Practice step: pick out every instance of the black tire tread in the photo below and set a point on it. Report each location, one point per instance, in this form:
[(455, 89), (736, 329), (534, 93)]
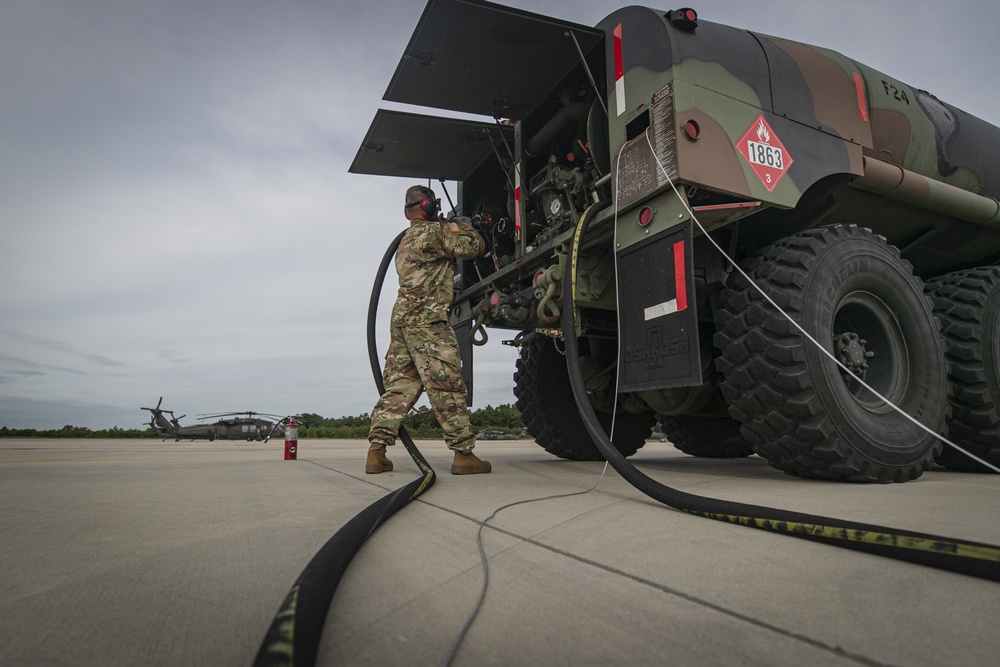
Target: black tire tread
[(960, 299), (764, 366), (706, 437), (548, 411)]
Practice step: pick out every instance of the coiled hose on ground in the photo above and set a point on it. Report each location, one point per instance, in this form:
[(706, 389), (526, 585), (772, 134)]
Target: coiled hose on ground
[(294, 635)]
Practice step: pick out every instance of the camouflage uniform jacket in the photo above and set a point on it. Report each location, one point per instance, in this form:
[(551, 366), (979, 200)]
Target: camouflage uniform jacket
[(426, 268)]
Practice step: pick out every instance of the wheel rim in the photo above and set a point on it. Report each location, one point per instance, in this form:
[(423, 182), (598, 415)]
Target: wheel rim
[(868, 339)]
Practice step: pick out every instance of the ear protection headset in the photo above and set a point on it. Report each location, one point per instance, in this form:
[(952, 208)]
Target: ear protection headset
[(429, 205)]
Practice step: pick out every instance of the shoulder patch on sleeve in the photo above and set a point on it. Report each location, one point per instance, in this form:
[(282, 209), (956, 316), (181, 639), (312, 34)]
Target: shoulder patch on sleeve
[(453, 226)]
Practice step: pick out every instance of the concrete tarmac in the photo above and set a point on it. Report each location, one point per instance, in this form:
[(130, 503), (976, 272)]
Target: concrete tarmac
[(142, 552)]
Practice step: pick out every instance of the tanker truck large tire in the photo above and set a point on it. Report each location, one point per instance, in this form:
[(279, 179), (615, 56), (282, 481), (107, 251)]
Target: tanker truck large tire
[(968, 305), (548, 411), (853, 293), (706, 437)]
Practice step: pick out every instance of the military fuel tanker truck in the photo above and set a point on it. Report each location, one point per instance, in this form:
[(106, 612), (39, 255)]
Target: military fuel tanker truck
[(864, 208)]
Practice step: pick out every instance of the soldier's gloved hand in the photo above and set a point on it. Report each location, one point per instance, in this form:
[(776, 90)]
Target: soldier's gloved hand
[(482, 222)]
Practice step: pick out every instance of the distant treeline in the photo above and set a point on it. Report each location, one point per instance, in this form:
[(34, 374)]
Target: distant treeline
[(69, 431), (507, 418)]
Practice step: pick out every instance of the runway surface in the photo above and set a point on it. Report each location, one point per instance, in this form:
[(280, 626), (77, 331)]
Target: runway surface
[(142, 552)]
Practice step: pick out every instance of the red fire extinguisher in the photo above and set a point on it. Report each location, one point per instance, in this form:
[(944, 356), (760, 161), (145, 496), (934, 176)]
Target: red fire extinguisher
[(291, 440)]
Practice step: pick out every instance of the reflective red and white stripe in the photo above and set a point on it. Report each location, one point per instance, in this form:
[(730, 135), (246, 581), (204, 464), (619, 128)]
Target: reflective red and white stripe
[(517, 200), (679, 302), (619, 70)]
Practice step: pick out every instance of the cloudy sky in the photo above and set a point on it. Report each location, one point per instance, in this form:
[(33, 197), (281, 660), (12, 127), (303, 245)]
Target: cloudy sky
[(176, 214)]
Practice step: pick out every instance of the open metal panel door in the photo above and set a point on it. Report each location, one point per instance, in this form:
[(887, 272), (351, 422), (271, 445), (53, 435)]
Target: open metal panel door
[(411, 145), (481, 58)]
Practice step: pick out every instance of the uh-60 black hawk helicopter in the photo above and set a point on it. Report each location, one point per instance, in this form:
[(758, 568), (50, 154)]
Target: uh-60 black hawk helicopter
[(246, 425)]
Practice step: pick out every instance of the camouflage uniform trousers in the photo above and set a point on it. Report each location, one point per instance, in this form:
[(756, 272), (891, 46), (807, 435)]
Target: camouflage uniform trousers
[(423, 357)]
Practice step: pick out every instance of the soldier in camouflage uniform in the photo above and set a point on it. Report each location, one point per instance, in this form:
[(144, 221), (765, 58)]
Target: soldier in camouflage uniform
[(423, 350)]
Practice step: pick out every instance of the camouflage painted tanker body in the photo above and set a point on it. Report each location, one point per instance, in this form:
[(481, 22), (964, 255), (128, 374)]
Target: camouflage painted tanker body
[(788, 155), (840, 121)]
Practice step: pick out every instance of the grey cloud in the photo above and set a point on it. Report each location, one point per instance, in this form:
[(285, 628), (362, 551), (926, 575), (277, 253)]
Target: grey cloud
[(172, 356), (8, 376), (63, 347), (29, 368)]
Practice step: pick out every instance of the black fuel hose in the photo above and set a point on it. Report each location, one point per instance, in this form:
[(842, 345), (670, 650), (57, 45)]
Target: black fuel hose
[(970, 558), (294, 636)]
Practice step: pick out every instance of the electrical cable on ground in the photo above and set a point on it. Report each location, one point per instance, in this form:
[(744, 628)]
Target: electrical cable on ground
[(486, 568)]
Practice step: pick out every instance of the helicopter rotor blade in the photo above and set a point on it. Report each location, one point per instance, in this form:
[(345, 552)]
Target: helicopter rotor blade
[(235, 413), (248, 413), (157, 408), (267, 414), (216, 415)]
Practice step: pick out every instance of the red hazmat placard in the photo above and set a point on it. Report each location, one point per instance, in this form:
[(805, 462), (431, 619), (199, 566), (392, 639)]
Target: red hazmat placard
[(764, 152)]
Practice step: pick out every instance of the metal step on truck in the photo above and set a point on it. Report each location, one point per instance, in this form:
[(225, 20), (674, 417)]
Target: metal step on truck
[(713, 166)]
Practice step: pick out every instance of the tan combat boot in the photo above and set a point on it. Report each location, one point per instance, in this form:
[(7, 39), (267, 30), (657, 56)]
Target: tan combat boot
[(469, 464), (377, 462)]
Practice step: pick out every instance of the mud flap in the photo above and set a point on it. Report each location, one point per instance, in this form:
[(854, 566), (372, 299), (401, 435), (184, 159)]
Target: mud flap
[(463, 332), (659, 324)]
